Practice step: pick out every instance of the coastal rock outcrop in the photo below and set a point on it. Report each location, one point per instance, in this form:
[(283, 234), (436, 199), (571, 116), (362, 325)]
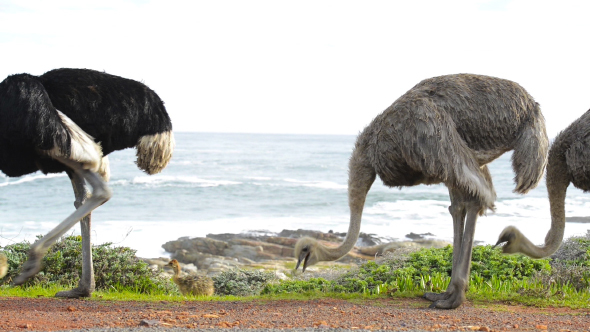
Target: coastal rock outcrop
[(216, 253)]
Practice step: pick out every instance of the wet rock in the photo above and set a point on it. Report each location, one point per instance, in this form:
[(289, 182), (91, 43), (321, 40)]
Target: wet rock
[(415, 236)]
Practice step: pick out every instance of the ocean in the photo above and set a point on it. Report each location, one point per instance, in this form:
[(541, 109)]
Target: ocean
[(232, 183)]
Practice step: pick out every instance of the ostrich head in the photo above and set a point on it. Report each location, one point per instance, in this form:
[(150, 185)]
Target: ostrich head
[(517, 242), (307, 250), (512, 238), (174, 265)]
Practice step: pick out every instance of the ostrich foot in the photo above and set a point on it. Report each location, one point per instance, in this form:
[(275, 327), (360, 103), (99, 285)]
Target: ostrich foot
[(453, 301), (75, 293), (433, 297), (30, 268)]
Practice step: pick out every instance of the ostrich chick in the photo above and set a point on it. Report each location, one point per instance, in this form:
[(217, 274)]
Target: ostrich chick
[(192, 284), (3, 266)]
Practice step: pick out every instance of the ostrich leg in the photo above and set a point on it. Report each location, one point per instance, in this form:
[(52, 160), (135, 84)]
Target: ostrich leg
[(461, 266), (100, 194), (457, 210), (86, 284)]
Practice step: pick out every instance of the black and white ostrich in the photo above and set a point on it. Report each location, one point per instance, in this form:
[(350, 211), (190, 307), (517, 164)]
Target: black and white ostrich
[(69, 120)]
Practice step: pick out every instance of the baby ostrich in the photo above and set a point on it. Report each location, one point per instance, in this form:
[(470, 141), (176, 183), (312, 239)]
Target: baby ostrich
[(192, 284), (445, 130), (3, 266)]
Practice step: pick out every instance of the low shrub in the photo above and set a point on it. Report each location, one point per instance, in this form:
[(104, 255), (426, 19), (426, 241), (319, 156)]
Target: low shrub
[(239, 282), (114, 267)]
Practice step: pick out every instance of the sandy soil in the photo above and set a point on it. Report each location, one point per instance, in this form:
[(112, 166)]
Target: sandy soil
[(49, 314)]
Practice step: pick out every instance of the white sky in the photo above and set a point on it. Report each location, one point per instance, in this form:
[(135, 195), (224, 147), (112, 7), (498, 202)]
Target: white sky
[(321, 67)]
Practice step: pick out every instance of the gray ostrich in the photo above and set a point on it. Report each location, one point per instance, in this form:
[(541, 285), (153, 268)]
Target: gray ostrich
[(444, 130), (69, 120), (567, 163)]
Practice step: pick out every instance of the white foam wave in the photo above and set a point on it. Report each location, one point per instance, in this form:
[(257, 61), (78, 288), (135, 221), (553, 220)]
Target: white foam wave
[(259, 178), (31, 178), (186, 162), (410, 209), (119, 183), (164, 180), (317, 184)]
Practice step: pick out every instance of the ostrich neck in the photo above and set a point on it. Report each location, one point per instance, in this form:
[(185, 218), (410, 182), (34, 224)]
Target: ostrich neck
[(176, 271), (352, 235), (359, 183), (557, 183)]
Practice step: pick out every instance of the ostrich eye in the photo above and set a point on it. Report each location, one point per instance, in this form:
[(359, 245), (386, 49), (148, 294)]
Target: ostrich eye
[(306, 248)]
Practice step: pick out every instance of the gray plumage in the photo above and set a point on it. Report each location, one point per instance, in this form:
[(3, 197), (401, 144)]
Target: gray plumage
[(569, 162), (445, 130), (448, 126)]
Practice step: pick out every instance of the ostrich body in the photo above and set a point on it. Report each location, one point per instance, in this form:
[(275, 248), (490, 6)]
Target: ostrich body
[(445, 130), (69, 120), (568, 163), (192, 284)]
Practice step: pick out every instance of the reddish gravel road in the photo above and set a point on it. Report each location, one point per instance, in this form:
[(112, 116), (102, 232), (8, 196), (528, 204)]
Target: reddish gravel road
[(48, 314)]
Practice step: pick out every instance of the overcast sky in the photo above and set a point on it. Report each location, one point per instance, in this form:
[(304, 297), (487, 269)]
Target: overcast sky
[(320, 67)]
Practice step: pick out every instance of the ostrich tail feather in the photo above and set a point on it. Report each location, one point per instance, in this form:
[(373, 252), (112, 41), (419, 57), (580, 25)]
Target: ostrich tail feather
[(155, 151)]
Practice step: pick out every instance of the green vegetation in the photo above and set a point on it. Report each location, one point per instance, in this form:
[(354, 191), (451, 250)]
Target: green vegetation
[(242, 282), (115, 268), (562, 280)]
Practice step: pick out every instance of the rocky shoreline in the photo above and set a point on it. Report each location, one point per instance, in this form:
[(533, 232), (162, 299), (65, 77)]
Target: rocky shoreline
[(216, 253)]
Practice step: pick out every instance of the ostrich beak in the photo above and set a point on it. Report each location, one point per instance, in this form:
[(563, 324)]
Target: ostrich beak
[(302, 257), (504, 238)]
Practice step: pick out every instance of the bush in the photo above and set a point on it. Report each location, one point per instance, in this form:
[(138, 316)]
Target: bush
[(573, 251), (239, 282), (114, 267), (570, 264), (486, 262)]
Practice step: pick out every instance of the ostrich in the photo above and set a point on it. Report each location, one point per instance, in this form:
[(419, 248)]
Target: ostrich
[(192, 284), (3, 265), (568, 163), (444, 130), (69, 120)]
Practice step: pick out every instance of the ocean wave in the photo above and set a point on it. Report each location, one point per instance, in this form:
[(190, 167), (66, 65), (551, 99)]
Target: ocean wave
[(31, 178), (317, 184), (159, 181), (410, 209), (186, 162), (258, 178)]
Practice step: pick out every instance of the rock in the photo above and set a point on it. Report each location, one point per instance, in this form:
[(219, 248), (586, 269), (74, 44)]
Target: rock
[(415, 236), (584, 220), (284, 241), (189, 268), (216, 253), (149, 322)]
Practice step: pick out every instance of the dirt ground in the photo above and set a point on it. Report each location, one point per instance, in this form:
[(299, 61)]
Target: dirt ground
[(50, 314)]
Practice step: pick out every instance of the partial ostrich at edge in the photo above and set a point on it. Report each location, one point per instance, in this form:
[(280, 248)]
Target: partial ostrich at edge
[(444, 130), (568, 163), (69, 120)]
